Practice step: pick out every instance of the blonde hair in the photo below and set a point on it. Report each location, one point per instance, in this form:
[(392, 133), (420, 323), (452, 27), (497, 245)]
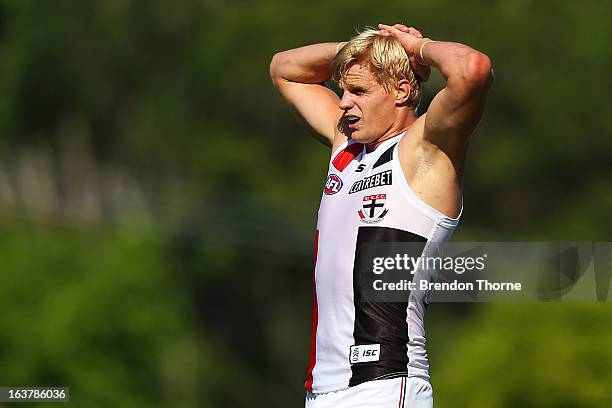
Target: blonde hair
[(386, 58)]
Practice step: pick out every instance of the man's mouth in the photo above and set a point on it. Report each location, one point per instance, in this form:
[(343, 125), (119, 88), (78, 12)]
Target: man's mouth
[(352, 121)]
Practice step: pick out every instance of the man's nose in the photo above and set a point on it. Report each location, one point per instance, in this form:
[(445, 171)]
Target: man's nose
[(346, 102)]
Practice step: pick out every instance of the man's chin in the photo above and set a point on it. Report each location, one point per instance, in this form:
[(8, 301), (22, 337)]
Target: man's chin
[(355, 134), (360, 137)]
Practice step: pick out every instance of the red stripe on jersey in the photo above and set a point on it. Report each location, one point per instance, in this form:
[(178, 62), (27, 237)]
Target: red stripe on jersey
[(315, 314), (345, 157), (401, 392)]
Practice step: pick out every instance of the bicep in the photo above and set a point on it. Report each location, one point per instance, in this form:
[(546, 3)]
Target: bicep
[(452, 120), (316, 105), (456, 110)]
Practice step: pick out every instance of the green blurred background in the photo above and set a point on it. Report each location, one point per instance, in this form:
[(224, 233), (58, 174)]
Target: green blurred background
[(158, 200)]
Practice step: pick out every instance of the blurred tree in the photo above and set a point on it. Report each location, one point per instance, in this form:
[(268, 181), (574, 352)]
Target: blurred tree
[(157, 199)]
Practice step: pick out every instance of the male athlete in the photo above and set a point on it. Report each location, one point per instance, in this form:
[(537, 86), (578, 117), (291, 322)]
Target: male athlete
[(393, 177)]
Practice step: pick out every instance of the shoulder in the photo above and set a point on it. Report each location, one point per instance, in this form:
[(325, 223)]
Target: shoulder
[(415, 147), (423, 159), (414, 136)]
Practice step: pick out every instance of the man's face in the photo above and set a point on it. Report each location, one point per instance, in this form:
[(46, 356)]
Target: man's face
[(369, 111)]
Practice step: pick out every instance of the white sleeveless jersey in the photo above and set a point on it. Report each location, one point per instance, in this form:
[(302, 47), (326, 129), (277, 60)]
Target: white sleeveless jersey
[(366, 199)]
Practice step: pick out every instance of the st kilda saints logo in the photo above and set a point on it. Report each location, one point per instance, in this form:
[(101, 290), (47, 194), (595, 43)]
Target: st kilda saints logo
[(333, 184), (373, 208)]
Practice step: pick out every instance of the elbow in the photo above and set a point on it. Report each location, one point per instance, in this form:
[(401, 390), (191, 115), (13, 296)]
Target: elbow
[(276, 65), (478, 72)]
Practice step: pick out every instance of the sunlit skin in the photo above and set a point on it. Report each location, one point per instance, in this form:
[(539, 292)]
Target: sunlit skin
[(434, 150), (381, 114)]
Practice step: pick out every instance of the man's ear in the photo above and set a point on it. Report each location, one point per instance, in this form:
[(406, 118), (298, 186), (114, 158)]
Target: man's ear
[(402, 92)]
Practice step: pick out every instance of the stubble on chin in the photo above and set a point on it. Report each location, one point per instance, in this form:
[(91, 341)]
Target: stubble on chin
[(343, 127)]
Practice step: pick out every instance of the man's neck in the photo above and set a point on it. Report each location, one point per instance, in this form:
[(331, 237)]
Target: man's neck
[(397, 128)]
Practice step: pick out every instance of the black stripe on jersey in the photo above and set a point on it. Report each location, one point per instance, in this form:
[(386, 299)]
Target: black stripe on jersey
[(385, 157), (381, 323)]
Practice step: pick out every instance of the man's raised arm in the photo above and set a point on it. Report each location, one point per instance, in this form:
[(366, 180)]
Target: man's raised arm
[(456, 110), (298, 75)]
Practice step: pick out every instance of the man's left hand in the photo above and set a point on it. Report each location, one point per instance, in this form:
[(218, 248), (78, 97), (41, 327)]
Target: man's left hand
[(408, 37)]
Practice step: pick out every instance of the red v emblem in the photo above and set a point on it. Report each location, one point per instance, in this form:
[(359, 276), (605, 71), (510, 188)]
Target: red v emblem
[(346, 156)]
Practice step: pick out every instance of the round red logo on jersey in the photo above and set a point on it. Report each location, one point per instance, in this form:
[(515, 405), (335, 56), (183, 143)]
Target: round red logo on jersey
[(332, 185)]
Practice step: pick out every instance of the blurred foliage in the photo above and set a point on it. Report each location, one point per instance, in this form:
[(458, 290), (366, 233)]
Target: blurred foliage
[(523, 355), (157, 199)]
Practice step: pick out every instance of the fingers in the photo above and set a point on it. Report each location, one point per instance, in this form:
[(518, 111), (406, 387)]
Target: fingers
[(398, 28), (415, 32), (422, 72), (401, 27), (388, 28), (411, 30)]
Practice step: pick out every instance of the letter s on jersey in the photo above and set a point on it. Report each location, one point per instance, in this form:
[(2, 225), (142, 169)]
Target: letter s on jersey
[(333, 184)]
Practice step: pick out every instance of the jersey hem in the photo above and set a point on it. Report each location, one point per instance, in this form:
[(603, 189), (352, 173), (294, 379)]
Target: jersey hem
[(389, 376)]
